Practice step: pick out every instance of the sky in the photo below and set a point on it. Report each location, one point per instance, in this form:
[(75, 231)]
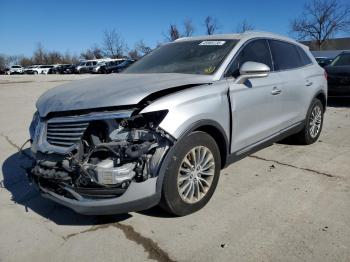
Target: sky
[(75, 25)]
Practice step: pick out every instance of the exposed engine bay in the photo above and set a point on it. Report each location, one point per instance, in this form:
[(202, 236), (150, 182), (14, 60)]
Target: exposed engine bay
[(106, 156)]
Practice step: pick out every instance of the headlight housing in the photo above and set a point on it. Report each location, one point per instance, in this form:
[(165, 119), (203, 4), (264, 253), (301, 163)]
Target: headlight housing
[(155, 117)]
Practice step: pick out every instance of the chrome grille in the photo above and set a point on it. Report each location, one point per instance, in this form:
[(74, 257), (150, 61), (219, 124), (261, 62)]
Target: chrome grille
[(65, 134)]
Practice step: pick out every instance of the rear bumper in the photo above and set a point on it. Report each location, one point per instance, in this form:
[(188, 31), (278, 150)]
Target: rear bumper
[(138, 196)]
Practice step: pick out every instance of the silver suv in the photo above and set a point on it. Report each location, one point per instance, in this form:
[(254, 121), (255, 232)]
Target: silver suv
[(160, 132)]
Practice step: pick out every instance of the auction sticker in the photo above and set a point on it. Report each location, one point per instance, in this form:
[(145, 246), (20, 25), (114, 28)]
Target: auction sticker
[(212, 43)]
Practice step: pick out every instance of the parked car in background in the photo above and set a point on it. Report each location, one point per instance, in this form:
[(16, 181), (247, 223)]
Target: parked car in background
[(324, 61), (39, 69), (28, 70), (119, 68), (32, 70), (44, 69), (63, 69), (99, 68), (15, 69), (338, 75), (161, 131), (111, 66), (85, 66), (4, 71)]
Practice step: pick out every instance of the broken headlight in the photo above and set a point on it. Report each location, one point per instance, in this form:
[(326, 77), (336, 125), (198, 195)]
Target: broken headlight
[(34, 124)]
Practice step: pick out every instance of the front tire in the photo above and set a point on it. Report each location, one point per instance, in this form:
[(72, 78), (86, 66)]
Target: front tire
[(313, 124), (192, 175)]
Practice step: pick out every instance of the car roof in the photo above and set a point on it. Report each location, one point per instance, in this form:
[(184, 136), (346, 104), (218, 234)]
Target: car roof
[(242, 36)]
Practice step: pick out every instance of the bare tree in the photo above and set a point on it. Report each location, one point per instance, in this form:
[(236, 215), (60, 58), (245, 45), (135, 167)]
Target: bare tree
[(67, 58), (142, 48), (25, 61), (188, 28), (244, 26), (321, 20), (39, 55), (113, 45), (173, 33), (13, 60), (139, 50), (134, 54), (53, 57), (3, 60), (211, 25), (97, 52), (87, 55)]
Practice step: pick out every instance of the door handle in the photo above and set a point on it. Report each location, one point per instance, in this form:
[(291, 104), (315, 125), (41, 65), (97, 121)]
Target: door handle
[(309, 83), (276, 91)]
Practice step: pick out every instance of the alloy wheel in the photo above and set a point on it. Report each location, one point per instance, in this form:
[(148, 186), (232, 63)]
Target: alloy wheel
[(315, 121), (196, 174)]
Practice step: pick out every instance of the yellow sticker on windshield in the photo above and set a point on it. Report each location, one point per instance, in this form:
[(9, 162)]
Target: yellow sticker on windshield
[(209, 70)]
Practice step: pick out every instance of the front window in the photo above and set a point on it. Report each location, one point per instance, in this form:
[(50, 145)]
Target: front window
[(189, 57), (342, 60), (255, 51)]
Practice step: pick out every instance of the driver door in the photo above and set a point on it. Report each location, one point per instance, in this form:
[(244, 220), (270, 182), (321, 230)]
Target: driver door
[(255, 104)]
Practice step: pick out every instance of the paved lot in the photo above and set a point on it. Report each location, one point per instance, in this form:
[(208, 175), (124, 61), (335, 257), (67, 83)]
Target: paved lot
[(285, 203)]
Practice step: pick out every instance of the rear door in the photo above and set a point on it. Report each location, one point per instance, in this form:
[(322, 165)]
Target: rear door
[(292, 68), (255, 104)]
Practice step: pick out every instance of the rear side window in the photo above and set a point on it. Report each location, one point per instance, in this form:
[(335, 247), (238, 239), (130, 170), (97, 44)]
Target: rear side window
[(255, 51), (285, 55), (306, 60)]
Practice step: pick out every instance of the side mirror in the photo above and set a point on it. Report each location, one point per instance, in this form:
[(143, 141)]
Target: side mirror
[(252, 70)]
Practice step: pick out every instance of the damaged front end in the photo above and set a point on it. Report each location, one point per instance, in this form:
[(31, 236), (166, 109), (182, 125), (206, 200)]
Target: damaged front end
[(99, 163)]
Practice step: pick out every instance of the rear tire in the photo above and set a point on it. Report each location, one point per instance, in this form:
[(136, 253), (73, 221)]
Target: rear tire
[(313, 125), (192, 175)]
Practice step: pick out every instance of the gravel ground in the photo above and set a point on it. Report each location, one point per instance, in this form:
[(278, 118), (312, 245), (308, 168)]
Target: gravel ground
[(284, 203)]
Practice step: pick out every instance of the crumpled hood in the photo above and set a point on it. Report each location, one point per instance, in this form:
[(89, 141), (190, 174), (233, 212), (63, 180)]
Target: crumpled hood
[(111, 90)]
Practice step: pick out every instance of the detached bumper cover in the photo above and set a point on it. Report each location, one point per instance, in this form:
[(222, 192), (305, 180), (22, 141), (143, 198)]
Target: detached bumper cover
[(138, 196)]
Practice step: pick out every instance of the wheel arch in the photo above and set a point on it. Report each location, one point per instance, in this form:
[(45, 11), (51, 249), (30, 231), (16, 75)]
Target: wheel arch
[(211, 127), (216, 131), (220, 139), (323, 98)]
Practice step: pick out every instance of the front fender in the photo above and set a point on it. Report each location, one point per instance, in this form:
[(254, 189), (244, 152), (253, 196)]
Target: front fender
[(186, 107)]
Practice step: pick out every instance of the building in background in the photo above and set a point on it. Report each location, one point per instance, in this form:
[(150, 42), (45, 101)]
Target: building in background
[(330, 48)]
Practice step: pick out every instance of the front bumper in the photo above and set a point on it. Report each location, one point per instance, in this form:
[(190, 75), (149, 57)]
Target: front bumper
[(138, 196)]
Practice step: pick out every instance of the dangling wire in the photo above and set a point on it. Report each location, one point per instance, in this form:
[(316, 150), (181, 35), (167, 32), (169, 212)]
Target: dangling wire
[(21, 151)]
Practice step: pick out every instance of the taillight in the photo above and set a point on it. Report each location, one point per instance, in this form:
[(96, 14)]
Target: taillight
[(325, 74)]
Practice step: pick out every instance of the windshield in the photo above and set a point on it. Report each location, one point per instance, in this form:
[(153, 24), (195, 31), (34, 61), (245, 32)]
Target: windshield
[(342, 60), (188, 57)]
